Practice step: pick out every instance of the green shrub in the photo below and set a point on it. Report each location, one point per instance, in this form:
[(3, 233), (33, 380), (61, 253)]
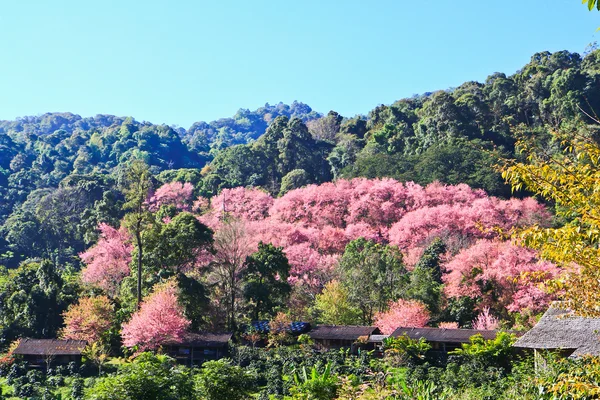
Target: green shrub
[(219, 380)]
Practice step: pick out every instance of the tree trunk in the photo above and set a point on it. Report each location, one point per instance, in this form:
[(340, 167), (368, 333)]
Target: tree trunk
[(232, 294), (138, 238)]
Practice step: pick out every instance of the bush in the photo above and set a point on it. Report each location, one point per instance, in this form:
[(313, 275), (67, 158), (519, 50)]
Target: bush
[(77, 389), (148, 377), (316, 385), (16, 370), (219, 380)]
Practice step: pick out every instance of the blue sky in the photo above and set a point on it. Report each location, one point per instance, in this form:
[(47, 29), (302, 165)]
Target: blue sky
[(177, 62)]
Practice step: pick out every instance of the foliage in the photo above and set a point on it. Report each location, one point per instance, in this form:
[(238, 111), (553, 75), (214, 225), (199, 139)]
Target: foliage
[(89, 319), (373, 275), (160, 318), (316, 385), (147, 377), (402, 313), (33, 300), (570, 179), (334, 307), (495, 351), (266, 276), (591, 4), (403, 349), (219, 380)]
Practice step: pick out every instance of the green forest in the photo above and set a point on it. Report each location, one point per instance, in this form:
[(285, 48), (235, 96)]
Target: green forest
[(59, 172)]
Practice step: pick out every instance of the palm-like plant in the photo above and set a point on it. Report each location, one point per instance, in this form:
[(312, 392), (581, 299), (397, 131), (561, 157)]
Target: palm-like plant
[(315, 385)]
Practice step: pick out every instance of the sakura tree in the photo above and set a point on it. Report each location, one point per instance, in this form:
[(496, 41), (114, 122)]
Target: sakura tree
[(175, 194), (159, 319), (502, 273), (242, 203), (486, 321), (402, 313), (107, 263), (88, 319)]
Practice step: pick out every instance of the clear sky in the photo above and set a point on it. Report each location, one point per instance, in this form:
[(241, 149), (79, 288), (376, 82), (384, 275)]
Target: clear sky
[(178, 61)]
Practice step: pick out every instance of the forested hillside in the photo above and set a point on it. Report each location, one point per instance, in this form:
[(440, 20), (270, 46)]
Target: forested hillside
[(131, 236), (59, 173)]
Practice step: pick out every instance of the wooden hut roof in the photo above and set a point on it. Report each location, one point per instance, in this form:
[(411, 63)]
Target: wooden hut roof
[(560, 329), (50, 347), (442, 334), (202, 339), (341, 332)]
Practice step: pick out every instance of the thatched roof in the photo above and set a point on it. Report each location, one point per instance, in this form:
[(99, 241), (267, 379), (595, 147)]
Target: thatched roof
[(342, 332), (50, 347), (202, 339), (559, 329), (442, 334)]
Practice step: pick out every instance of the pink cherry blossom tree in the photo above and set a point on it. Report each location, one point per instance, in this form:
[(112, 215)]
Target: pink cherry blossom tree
[(402, 313), (486, 321), (512, 275), (175, 194), (107, 263), (159, 319)]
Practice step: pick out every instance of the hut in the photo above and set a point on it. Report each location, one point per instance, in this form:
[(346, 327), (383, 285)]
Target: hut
[(443, 340), (339, 336), (195, 348), (46, 352), (376, 343), (560, 331)]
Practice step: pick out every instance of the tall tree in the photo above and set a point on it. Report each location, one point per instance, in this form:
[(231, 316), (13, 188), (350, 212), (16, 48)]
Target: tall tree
[(570, 179), (137, 184), (266, 280), (373, 274), (425, 283), (232, 245)]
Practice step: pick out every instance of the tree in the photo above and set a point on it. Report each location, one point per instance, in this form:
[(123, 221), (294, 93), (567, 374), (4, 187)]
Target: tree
[(97, 353), (402, 313), (232, 245), (176, 243), (502, 275), (107, 262), (137, 185), (334, 307), (89, 319), (33, 299), (294, 179), (373, 274), (571, 180), (160, 318), (175, 193), (425, 280), (266, 280), (485, 320)]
